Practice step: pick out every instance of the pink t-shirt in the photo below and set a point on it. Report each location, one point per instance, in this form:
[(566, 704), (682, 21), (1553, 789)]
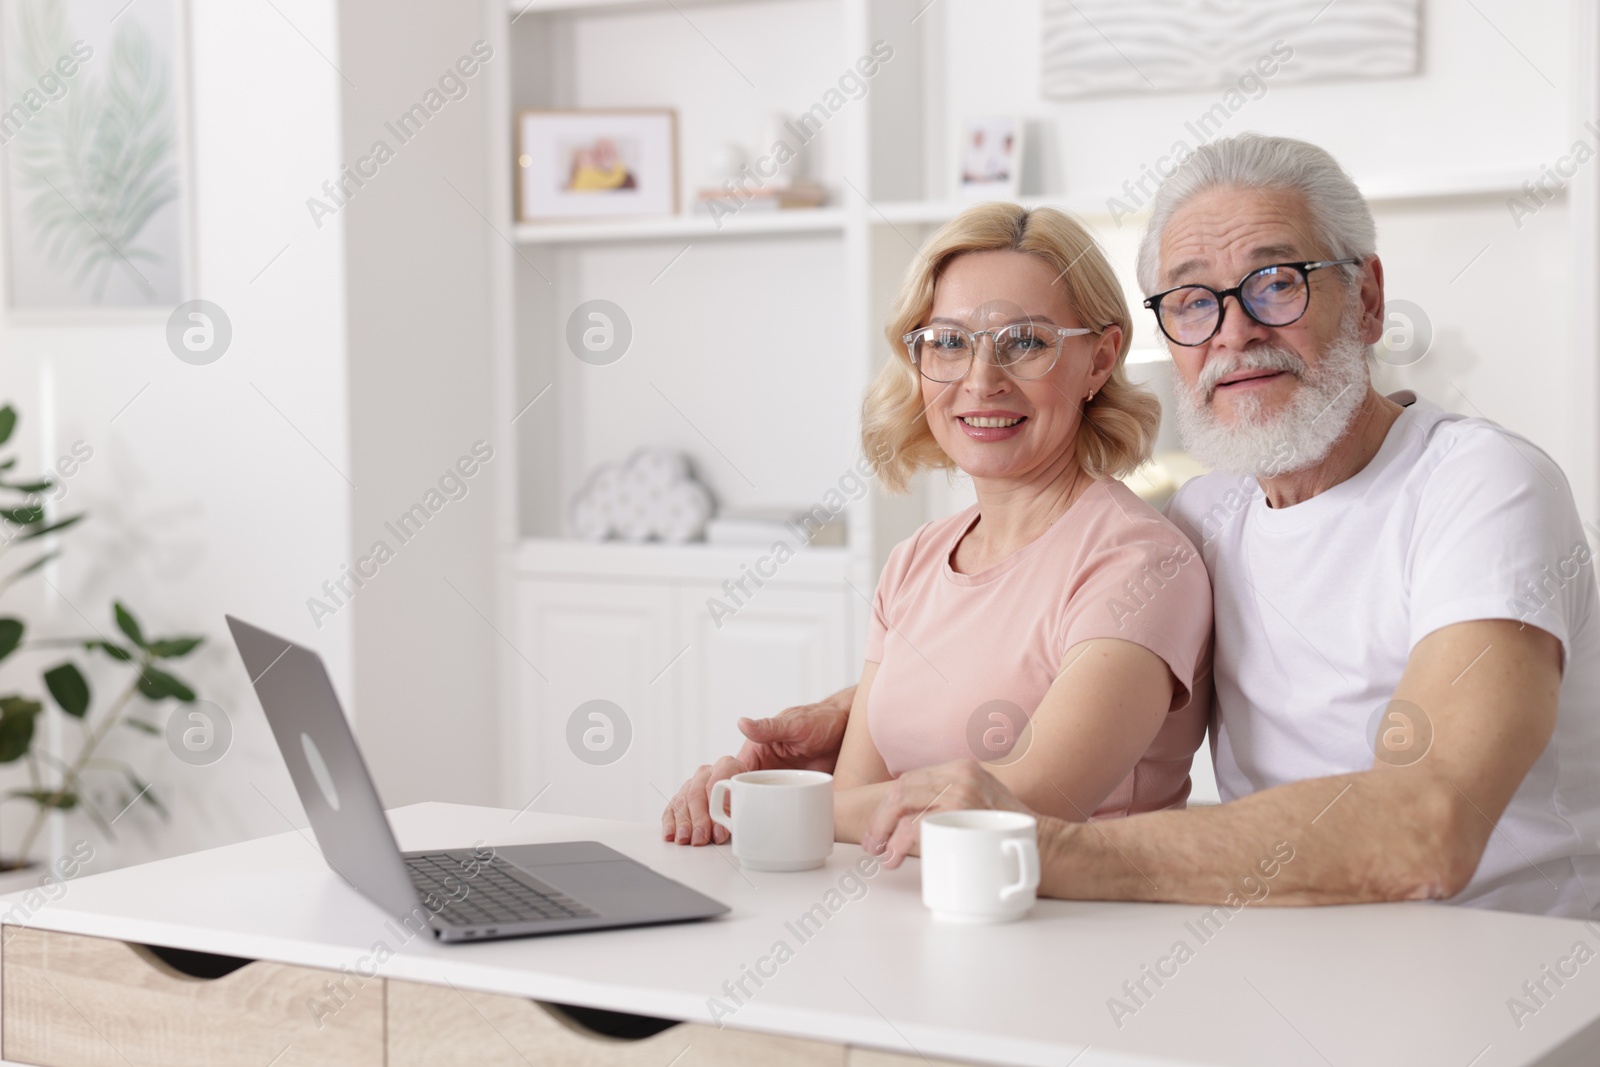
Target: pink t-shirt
[(954, 649)]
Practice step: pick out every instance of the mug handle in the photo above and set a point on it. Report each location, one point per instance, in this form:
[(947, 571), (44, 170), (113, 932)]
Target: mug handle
[(719, 791), (1027, 853)]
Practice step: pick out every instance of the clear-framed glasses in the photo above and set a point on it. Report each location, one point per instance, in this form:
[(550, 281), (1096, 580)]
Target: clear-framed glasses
[(1023, 350), (1278, 295)]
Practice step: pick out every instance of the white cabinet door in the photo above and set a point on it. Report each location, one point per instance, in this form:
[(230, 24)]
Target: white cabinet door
[(785, 646), (599, 730)]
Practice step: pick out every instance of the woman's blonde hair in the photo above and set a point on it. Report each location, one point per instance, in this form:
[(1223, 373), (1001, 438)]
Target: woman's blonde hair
[(1118, 426)]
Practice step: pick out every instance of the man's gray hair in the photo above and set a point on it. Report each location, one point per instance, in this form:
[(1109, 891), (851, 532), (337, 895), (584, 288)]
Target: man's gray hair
[(1341, 222)]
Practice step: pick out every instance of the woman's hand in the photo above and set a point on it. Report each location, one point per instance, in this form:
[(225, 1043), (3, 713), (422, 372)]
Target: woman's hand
[(959, 786), (805, 737)]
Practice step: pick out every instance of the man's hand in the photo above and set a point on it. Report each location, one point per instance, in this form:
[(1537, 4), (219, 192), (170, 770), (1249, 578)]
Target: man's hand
[(959, 786), (804, 737)]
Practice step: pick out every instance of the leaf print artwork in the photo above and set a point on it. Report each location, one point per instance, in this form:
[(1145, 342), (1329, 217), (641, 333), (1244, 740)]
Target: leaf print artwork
[(93, 155)]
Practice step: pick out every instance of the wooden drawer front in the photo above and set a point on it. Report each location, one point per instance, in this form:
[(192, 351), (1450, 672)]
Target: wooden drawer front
[(438, 1026), (73, 1001)]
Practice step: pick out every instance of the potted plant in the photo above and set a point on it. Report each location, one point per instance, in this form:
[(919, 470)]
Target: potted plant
[(82, 780)]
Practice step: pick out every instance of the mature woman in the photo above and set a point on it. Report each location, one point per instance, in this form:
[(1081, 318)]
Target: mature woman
[(1060, 628)]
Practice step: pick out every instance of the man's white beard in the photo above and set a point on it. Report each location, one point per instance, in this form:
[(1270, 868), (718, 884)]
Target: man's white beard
[(1300, 435)]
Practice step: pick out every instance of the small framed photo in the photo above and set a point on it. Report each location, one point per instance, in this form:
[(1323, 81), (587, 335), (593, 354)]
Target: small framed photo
[(595, 164), (989, 158)]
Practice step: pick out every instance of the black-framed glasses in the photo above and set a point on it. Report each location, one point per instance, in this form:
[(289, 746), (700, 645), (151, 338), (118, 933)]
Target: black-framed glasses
[(1024, 350), (1276, 295)]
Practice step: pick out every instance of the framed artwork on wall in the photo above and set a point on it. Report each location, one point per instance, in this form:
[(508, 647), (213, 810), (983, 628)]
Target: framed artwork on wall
[(93, 155), (1102, 47)]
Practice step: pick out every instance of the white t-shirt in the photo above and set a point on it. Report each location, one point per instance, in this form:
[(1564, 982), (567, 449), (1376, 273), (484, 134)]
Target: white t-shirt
[(1319, 605)]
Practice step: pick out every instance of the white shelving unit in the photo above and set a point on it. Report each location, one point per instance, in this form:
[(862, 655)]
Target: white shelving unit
[(519, 8), (1380, 191), (724, 364), (562, 557), (681, 227)]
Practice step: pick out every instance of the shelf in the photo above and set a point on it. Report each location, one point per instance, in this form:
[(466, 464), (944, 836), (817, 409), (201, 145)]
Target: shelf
[(678, 227), (940, 211), (563, 557), (518, 8), (1379, 189)]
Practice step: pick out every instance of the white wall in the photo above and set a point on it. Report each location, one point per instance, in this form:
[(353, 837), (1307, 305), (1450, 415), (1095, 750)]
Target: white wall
[(1477, 105), (202, 498), (420, 396)]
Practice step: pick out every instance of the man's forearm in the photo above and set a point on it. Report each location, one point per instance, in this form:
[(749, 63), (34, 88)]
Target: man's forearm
[(1372, 836)]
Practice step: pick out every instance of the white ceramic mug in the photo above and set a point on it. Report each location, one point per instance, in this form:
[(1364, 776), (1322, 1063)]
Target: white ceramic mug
[(781, 820), (979, 866)]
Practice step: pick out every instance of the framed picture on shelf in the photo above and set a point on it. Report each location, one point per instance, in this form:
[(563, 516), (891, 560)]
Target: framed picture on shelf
[(989, 158), (594, 164)]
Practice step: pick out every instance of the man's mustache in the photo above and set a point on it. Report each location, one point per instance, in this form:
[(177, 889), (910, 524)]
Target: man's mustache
[(1265, 358)]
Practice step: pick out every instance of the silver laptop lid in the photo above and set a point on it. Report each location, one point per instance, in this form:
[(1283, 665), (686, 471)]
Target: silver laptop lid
[(329, 774)]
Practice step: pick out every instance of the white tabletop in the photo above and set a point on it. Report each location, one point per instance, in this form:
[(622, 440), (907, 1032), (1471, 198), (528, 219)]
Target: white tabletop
[(1363, 986)]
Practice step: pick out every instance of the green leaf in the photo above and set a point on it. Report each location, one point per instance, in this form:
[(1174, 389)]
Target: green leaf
[(10, 636), (40, 531), (16, 728), (173, 647), (159, 685), (116, 652), (22, 572), (8, 422), (128, 624), (15, 705), (70, 689), (48, 798), (28, 487), (22, 516), (143, 727)]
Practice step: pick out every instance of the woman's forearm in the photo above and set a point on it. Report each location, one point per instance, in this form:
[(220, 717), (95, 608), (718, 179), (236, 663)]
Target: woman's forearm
[(853, 808), (840, 701)]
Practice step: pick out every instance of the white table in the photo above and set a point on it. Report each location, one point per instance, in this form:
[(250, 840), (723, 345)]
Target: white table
[(1362, 986)]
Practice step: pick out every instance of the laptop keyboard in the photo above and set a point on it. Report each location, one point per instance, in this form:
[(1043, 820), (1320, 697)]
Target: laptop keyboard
[(490, 896)]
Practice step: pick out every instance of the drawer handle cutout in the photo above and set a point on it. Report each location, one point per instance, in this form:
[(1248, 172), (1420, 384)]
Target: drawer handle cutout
[(613, 1025), (187, 963)]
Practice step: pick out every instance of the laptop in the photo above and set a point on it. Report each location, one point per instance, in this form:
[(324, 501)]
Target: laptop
[(462, 894)]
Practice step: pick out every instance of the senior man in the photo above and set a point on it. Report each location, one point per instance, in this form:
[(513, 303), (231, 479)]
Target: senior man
[(1407, 647)]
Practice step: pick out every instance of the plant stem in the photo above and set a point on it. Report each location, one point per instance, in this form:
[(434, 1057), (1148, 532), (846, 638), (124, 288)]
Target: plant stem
[(69, 782)]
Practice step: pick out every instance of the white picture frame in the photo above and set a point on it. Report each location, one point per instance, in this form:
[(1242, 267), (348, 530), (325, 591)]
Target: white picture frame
[(988, 163), (593, 164)]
